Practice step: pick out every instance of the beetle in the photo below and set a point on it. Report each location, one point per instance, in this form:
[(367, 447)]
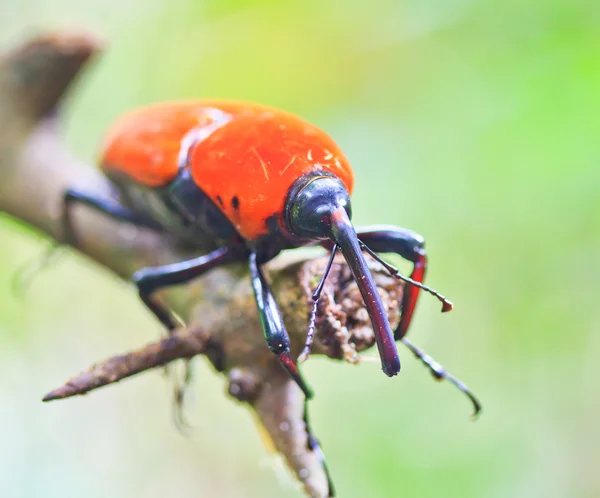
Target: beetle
[(239, 182)]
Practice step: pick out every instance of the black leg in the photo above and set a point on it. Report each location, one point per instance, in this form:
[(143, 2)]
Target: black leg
[(440, 373), (278, 341), (106, 205), (274, 330), (314, 446), (148, 280), (409, 245)]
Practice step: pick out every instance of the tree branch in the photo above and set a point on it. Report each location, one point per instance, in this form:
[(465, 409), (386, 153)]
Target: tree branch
[(219, 308), (177, 346)]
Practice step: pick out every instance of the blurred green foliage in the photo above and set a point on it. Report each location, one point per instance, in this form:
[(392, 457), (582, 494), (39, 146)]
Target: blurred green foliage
[(473, 122)]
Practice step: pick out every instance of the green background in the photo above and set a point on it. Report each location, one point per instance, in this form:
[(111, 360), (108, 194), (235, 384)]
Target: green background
[(475, 123)]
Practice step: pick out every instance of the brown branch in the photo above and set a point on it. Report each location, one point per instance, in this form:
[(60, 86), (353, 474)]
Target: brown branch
[(334, 339), (34, 79), (176, 346), (219, 308)]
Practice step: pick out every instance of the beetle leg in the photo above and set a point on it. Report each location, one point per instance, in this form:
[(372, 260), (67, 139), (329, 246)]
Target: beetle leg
[(440, 373), (409, 245), (314, 446), (274, 330), (148, 280), (106, 205), (278, 341)]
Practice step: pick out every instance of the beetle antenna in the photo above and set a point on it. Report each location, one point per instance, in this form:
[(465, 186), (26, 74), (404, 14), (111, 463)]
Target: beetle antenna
[(439, 373), (446, 303), (315, 297)]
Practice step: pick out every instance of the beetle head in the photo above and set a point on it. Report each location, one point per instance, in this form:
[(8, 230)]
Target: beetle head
[(318, 208), (312, 203)]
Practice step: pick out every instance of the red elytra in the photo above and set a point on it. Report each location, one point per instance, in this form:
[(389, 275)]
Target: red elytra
[(246, 151)]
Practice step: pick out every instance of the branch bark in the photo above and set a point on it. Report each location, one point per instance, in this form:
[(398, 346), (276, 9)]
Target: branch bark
[(219, 309)]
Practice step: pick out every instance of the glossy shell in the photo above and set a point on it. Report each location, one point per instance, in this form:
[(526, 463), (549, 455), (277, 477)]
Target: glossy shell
[(244, 156)]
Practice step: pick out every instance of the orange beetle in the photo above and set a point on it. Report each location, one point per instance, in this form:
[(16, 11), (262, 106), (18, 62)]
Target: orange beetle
[(242, 182)]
